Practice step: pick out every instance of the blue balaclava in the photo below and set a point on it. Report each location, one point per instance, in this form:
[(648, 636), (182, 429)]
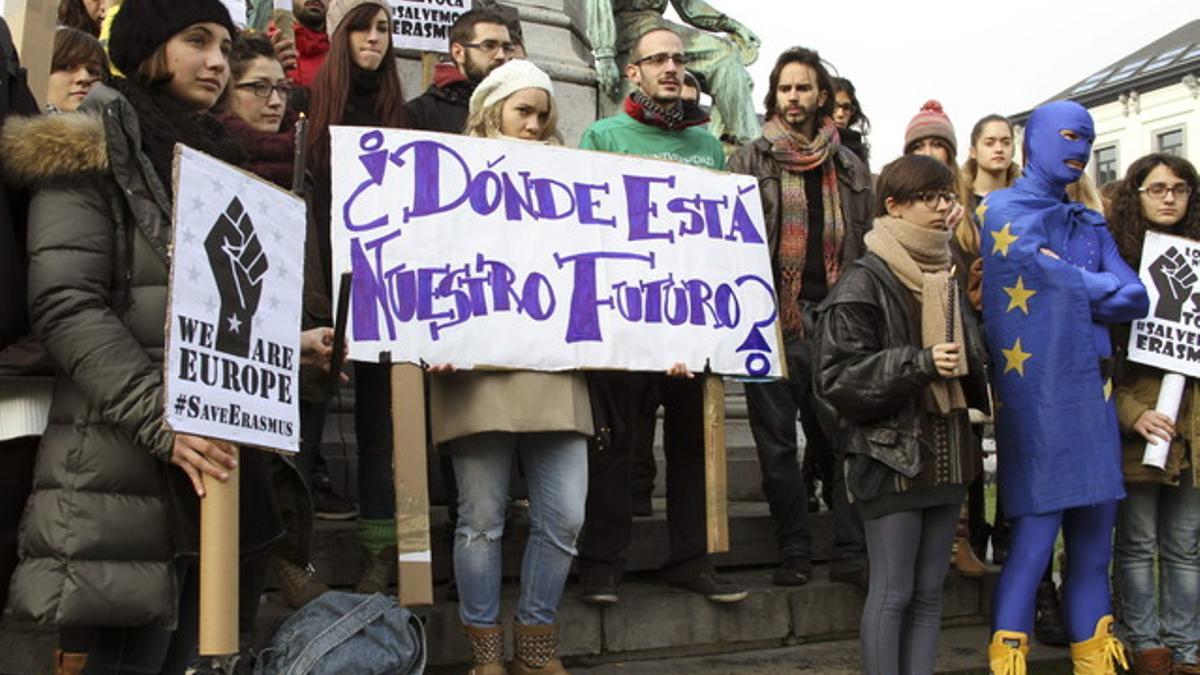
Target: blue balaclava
[(1047, 152)]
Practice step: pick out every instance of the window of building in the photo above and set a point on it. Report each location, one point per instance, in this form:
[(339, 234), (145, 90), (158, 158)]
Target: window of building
[(1105, 161), (1128, 70), (1170, 142), (1162, 60)]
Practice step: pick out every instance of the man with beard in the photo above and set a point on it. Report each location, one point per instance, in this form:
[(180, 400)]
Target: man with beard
[(817, 207), (655, 123), (302, 56), (479, 43)]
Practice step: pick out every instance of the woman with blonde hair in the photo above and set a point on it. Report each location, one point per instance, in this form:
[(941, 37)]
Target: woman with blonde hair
[(485, 419)]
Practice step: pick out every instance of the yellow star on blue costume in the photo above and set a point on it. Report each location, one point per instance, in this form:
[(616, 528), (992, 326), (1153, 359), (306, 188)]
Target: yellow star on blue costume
[(1018, 296), (1003, 239), (1015, 358)]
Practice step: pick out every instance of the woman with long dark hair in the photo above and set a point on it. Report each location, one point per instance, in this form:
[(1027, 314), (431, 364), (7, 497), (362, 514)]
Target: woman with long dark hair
[(358, 85), (110, 534), (1160, 515)]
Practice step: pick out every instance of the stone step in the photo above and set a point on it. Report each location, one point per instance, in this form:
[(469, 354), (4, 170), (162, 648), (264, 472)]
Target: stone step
[(962, 650), (336, 555), (650, 621)]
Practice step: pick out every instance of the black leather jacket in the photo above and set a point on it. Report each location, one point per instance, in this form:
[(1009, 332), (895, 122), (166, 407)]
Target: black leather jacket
[(871, 371)]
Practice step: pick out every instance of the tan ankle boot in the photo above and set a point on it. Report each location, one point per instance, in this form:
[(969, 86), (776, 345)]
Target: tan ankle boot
[(487, 650), (535, 648), (68, 663), (962, 555)]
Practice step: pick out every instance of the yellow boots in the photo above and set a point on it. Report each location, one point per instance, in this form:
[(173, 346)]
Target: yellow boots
[(1006, 653), (1099, 654)]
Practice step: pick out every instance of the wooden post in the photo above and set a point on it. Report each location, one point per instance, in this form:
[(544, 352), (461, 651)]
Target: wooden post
[(716, 484), (412, 486), (32, 23), (219, 566)]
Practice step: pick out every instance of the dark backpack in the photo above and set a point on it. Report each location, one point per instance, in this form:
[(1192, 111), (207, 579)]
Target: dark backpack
[(346, 633)]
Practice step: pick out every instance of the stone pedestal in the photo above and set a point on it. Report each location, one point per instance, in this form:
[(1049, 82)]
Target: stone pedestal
[(555, 40)]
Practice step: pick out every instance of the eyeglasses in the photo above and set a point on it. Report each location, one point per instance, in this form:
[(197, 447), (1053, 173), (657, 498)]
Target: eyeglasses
[(263, 89), (934, 199), (661, 58), (1160, 190), (490, 46)]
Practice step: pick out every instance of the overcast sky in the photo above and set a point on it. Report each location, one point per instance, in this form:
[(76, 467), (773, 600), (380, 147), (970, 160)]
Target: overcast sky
[(974, 57)]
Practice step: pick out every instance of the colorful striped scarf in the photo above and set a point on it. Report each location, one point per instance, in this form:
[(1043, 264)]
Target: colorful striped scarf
[(797, 155)]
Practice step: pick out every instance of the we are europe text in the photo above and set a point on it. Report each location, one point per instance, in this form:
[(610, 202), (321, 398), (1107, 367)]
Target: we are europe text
[(653, 214)]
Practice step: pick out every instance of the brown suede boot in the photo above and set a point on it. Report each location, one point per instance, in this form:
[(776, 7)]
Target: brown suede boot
[(535, 648), (487, 650), (1154, 661), (68, 663), (962, 556), (299, 585)]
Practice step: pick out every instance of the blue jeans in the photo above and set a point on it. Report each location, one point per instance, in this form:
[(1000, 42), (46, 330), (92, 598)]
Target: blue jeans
[(1163, 520), (555, 466)]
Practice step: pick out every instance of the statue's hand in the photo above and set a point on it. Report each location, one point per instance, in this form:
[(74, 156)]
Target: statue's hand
[(608, 75), (745, 39)]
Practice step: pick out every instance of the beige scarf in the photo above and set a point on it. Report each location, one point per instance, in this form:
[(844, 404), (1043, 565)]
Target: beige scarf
[(920, 259)]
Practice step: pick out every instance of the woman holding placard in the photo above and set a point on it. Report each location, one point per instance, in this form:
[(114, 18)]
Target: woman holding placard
[(358, 85), (485, 419), (110, 535), (1161, 514)]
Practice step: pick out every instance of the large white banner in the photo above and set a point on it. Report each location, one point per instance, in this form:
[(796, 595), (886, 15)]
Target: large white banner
[(1170, 337), (424, 25), (233, 322), (512, 254)]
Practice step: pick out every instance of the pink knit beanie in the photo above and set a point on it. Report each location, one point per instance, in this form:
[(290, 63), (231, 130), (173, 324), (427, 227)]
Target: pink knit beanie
[(931, 121)]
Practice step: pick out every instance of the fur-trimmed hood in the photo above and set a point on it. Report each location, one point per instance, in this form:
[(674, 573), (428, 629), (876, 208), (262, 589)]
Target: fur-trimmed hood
[(46, 147)]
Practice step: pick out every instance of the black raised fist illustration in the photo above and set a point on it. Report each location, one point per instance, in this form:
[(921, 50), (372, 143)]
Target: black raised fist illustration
[(1174, 279), (239, 265)]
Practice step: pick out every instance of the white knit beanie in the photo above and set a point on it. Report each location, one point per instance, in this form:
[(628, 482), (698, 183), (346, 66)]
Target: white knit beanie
[(338, 9), (511, 77)]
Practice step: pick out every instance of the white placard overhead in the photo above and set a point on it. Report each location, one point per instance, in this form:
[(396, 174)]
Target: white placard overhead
[(233, 322), (1169, 338), (424, 25), (512, 254), (237, 11)]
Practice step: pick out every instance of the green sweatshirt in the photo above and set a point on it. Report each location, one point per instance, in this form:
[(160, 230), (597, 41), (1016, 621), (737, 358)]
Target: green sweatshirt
[(624, 135)]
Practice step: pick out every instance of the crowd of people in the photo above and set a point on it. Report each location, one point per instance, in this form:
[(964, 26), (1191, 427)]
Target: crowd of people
[(903, 299)]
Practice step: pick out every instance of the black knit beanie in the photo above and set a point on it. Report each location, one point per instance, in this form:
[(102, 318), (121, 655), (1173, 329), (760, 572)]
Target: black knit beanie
[(142, 26)]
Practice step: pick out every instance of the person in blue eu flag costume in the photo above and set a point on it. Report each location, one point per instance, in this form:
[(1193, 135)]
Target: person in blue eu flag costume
[(1052, 283)]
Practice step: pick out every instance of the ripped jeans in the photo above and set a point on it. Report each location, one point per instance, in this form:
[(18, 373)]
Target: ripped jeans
[(555, 465)]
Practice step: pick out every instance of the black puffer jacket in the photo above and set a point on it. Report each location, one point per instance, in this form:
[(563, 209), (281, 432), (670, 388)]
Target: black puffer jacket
[(109, 514), (871, 371)]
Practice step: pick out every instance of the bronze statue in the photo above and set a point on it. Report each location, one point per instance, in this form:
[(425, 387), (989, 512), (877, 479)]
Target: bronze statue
[(720, 62)]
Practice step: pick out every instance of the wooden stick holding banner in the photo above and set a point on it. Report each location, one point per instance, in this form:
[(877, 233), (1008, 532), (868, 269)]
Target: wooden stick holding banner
[(219, 512), (716, 482), (415, 558)]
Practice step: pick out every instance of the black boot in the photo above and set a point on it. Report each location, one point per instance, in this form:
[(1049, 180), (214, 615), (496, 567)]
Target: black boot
[(1048, 626)]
